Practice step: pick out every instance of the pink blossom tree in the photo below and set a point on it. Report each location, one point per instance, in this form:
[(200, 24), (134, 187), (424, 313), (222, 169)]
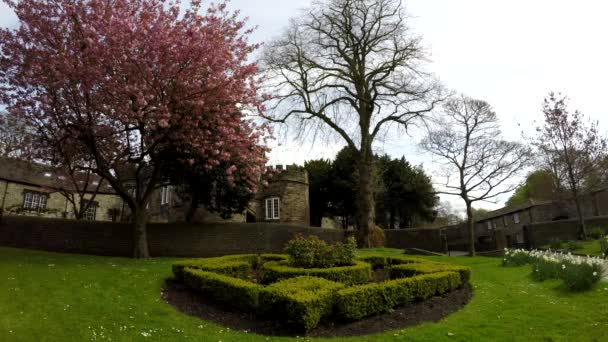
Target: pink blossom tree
[(128, 79)]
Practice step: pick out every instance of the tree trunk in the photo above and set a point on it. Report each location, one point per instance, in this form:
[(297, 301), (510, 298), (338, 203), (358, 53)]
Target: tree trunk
[(471, 229), (365, 196), (140, 236), (581, 218)]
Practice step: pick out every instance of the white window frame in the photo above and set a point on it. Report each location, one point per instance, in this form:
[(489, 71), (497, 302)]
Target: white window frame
[(91, 213), (165, 195), (516, 218), (272, 208), (34, 200)]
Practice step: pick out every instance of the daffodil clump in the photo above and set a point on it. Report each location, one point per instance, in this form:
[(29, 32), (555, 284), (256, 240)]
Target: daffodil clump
[(577, 272)]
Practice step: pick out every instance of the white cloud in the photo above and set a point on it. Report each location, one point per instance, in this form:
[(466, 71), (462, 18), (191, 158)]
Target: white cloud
[(509, 53)]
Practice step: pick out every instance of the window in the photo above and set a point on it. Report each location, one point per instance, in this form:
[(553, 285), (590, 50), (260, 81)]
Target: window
[(273, 210), (91, 210), (504, 221), (34, 200), (489, 225), (516, 218), (165, 195)]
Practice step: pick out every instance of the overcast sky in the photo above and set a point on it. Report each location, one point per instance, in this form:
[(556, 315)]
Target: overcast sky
[(508, 53)]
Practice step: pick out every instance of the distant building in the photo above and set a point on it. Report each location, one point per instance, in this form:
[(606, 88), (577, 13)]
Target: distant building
[(505, 226), (32, 189)]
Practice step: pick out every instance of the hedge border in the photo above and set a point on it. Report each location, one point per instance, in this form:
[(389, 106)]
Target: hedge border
[(357, 302), (300, 302), (359, 273)]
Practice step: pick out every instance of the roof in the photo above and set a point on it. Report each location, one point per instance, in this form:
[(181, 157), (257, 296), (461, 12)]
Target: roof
[(30, 173), (513, 209)]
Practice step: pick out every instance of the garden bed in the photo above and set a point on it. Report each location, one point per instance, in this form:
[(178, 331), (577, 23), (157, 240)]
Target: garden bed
[(193, 303), (267, 294)]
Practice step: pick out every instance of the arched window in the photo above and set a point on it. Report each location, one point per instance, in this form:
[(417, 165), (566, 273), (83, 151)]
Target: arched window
[(273, 208)]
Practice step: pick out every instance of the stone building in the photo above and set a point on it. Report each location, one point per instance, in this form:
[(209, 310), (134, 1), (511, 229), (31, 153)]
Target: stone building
[(285, 200), (32, 189)]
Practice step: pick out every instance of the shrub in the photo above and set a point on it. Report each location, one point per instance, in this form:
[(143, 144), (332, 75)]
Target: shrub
[(604, 246), (596, 233), (556, 244), (300, 302), (312, 252), (228, 290), (545, 268), (238, 266), (357, 302), (580, 276), (359, 273), (413, 269)]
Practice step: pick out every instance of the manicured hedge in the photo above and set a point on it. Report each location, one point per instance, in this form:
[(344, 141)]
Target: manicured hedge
[(300, 302), (413, 269), (357, 302), (359, 273), (231, 291), (238, 266)]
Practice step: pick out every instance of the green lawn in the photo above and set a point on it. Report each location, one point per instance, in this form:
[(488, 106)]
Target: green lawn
[(58, 297), (589, 247)]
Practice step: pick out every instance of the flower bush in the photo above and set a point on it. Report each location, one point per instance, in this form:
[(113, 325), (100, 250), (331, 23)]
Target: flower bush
[(578, 273), (516, 257), (312, 252)]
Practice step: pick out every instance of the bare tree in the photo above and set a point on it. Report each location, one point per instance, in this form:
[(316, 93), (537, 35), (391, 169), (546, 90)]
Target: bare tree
[(572, 148), (477, 164), (351, 67)]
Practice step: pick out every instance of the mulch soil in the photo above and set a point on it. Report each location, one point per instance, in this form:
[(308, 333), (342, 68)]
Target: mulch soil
[(194, 304)]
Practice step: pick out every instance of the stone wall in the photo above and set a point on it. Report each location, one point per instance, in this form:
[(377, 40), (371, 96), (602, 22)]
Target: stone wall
[(171, 239), (542, 233), (428, 239)]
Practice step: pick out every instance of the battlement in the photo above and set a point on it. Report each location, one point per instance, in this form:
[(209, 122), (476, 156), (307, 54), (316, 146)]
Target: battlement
[(290, 173)]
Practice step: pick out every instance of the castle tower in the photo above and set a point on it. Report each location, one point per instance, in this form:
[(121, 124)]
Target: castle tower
[(285, 200)]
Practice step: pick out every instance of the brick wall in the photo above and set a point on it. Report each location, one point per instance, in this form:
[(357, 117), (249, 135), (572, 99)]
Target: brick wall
[(172, 239)]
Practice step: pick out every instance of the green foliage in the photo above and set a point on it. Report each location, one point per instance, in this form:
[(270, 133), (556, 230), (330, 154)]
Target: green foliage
[(238, 266), (361, 301), (413, 269), (301, 302), (228, 290), (580, 276), (604, 246), (516, 258), (573, 245), (539, 185), (597, 233), (359, 273), (312, 252), (320, 184), (406, 195), (545, 269), (556, 244)]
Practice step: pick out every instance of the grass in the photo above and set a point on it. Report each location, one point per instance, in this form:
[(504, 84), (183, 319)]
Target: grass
[(60, 297), (589, 247)]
